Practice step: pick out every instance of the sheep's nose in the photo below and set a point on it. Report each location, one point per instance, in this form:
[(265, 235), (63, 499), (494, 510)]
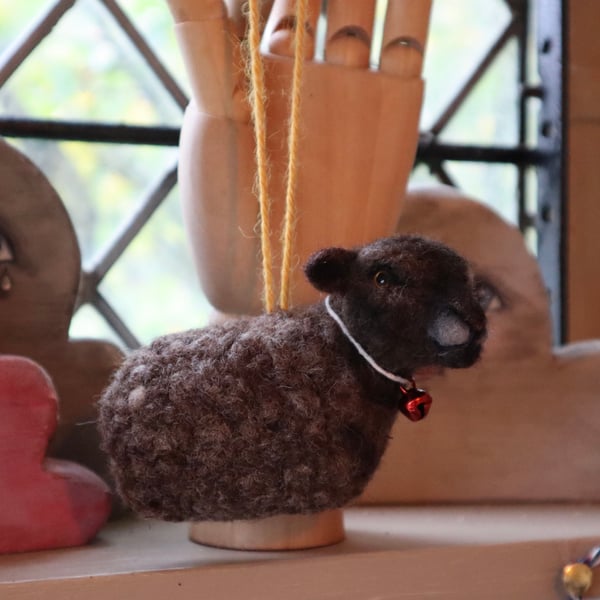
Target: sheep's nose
[(448, 329)]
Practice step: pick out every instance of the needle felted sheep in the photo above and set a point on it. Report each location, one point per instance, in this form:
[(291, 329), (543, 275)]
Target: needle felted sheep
[(289, 412)]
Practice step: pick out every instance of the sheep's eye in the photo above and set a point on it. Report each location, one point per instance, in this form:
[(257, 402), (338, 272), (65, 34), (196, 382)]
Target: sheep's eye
[(381, 278), (489, 299)]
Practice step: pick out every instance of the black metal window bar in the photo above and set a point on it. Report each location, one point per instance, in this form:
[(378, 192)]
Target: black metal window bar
[(544, 214)]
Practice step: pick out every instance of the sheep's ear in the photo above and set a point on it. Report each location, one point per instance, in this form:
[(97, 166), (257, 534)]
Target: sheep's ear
[(329, 269)]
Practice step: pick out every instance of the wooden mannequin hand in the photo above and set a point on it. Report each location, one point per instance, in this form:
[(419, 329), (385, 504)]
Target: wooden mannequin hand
[(359, 128)]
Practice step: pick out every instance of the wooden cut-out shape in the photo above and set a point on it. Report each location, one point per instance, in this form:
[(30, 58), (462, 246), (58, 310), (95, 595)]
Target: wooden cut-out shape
[(39, 282), (522, 424), (44, 503)]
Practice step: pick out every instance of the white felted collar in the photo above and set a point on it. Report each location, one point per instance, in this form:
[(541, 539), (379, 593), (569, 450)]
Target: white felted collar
[(361, 350)]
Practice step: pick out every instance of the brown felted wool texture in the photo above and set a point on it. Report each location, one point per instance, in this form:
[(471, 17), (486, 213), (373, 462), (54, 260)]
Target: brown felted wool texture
[(278, 414)]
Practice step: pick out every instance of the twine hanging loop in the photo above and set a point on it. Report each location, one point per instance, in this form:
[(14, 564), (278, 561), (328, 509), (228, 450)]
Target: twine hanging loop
[(258, 100)]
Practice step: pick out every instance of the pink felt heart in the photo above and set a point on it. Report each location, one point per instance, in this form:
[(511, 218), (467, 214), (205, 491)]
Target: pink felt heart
[(44, 503)]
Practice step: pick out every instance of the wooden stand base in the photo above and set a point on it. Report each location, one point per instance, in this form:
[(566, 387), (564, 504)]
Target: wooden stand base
[(281, 532)]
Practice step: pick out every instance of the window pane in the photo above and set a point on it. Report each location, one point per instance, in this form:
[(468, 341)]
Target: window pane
[(489, 115), (88, 323), (153, 286), (492, 184), (100, 184), (153, 20), (460, 34), (87, 69), (15, 18)]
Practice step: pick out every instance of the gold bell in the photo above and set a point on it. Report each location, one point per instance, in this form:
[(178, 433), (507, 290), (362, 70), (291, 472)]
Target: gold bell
[(577, 579)]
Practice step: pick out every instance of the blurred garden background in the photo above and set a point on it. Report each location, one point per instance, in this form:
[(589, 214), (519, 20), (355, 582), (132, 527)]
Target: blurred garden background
[(88, 70)]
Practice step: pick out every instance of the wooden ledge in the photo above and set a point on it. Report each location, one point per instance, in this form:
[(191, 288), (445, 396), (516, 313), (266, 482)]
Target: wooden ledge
[(452, 552)]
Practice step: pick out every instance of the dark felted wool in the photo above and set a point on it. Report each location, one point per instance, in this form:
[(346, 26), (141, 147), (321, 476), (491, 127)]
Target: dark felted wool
[(279, 414)]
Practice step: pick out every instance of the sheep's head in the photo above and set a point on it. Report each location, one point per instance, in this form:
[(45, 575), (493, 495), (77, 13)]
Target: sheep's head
[(410, 302)]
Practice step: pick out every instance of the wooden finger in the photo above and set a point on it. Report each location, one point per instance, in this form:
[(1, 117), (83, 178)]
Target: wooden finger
[(278, 37), (215, 67), (349, 32), (405, 36), (184, 10)]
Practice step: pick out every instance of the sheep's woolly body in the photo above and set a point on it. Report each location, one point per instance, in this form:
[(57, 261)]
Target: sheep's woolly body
[(279, 413), (231, 422)]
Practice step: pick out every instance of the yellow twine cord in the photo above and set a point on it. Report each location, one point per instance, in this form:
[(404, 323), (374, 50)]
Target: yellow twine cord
[(292, 173), (259, 115), (258, 103)]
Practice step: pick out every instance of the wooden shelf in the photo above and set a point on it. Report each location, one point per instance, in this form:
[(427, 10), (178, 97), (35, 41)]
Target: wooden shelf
[(451, 552)]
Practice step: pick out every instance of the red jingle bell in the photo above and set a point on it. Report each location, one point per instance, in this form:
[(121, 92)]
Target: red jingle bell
[(415, 403)]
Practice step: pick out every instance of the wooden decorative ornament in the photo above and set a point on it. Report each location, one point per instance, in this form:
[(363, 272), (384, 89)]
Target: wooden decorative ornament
[(346, 158), (522, 425), (288, 413), (39, 280)]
